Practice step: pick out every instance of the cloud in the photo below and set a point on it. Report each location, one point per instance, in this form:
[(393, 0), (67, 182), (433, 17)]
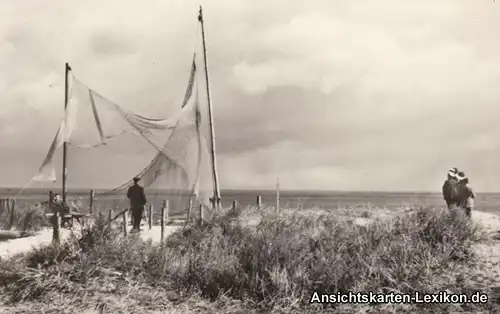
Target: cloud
[(329, 94)]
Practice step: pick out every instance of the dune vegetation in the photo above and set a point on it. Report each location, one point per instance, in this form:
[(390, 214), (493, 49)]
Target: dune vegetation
[(230, 266)]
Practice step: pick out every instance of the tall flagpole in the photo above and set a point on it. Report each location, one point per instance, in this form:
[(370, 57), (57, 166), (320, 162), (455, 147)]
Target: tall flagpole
[(216, 196), (65, 145)]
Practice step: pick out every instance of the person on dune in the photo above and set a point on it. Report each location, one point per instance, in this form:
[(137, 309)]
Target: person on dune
[(466, 195), (450, 188)]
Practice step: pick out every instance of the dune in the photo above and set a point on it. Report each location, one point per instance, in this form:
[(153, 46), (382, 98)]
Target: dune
[(486, 274), (488, 252)]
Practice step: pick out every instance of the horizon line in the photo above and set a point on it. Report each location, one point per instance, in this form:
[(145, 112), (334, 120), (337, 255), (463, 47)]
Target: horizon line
[(264, 190)]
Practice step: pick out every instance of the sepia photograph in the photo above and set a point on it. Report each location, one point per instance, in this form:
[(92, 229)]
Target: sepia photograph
[(280, 156)]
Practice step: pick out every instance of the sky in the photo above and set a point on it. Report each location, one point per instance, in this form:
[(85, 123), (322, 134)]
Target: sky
[(326, 94)]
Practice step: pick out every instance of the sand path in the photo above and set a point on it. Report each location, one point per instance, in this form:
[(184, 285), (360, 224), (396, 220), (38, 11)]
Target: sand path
[(44, 237), (485, 274)]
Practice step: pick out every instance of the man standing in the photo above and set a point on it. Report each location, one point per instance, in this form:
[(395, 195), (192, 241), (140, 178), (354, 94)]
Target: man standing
[(137, 200), (450, 188)]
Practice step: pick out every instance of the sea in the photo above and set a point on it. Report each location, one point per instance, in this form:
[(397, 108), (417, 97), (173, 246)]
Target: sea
[(327, 200)]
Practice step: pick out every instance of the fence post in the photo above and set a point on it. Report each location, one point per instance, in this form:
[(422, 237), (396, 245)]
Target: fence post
[(259, 201), (200, 214), (12, 207), (91, 201), (235, 204), (150, 216), (277, 199), (55, 227), (164, 210), (124, 215), (190, 209), (110, 216)]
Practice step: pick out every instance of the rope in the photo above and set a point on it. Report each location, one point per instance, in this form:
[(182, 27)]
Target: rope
[(23, 189)]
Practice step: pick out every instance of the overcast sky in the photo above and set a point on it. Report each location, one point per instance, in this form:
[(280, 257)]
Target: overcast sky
[(331, 95)]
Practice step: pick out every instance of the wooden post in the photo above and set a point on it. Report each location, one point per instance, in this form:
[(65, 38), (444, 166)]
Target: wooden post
[(67, 69), (164, 211), (12, 209), (278, 195), (150, 216), (190, 209), (7, 212), (259, 201), (110, 216), (124, 215), (235, 204), (91, 201), (200, 214), (55, 226)]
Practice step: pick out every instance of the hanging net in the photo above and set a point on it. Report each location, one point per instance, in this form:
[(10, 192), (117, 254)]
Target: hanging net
[(108, 146)]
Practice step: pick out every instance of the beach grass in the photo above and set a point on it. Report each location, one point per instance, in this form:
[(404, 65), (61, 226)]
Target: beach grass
[(251, 261), (26, 218)]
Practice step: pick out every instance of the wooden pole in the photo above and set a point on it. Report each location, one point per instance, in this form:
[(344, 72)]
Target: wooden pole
[(65, 144), (216, 192), (91, 201), (164, 210), (12, 208), (200, 214), (150, 216), (56, 224), (190, 208), (110, 216), (259, 201), (55, 227), (124, 215), (235, 204), (9, 213), (278, 195)]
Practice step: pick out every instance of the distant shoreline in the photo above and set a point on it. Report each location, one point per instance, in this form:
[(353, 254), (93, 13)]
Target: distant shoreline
[(264, 191)]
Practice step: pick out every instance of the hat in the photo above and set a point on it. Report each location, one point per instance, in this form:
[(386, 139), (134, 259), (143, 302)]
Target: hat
[(452, 172), (136, 179), (461, 176)]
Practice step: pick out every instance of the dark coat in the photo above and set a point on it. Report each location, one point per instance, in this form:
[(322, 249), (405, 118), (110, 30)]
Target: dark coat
[(448, 193), (136, 195)]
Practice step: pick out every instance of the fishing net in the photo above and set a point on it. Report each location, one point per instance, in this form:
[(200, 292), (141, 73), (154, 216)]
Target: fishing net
[(109, 145)]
